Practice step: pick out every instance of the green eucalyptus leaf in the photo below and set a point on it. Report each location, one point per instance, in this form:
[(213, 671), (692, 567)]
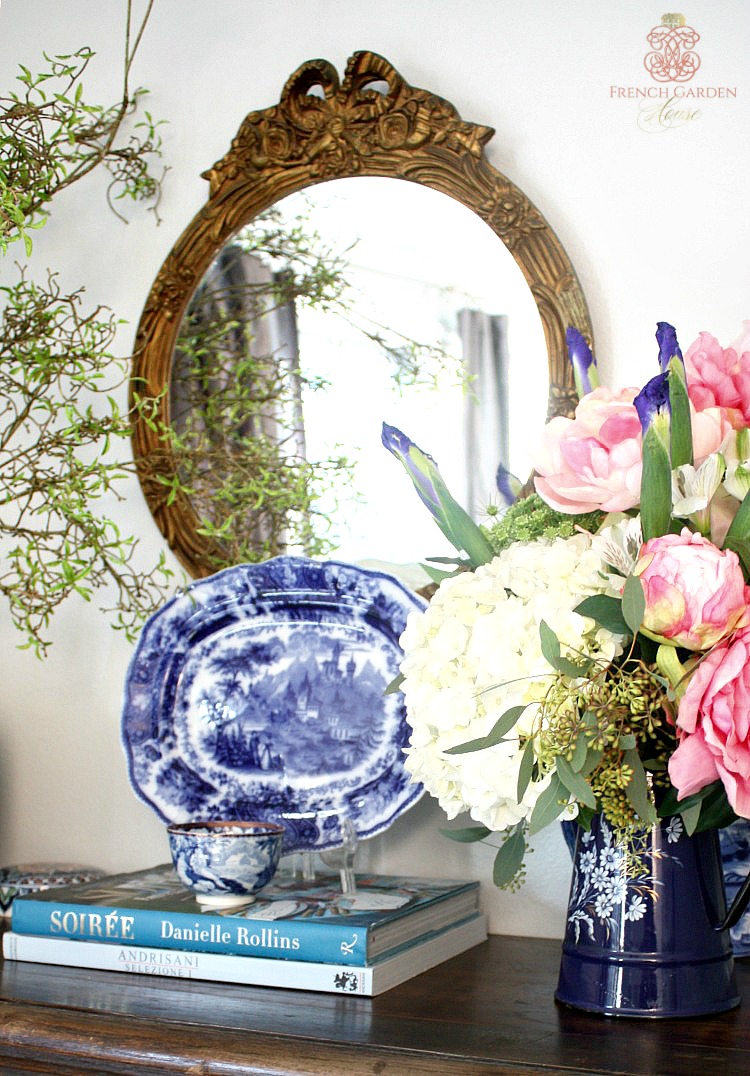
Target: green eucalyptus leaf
[(577, 785), (395, 684), (715, 812), (670, 805), (605, 610), (591, 762), (525, 769), (467, 835), (633, 603), (637, 789), (580, 751), (550, 805), (551, 650), (496, 735), (437, 575), (690, 816), (509, 858)]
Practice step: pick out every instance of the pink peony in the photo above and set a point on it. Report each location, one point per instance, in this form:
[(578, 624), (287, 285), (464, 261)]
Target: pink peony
[(714, 725), (593, 461), (695, 593), (720, 377)]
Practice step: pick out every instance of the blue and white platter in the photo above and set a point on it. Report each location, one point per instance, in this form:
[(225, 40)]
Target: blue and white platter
[(259, 693)]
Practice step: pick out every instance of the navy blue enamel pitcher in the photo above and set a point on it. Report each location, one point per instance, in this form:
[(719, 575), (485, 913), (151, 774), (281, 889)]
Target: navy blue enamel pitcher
[(650, 940)]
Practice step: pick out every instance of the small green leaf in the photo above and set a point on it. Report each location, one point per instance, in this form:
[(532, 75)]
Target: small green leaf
[(627, 742), (637, 789), (580, 751), (690, 816), (437, 575), (509, 858), (525, 769), (578, 786), (496, 735), (395, 684), (633, 603), (551, 651), (605, 610), (715, 812), (467, 835), (550, 805)]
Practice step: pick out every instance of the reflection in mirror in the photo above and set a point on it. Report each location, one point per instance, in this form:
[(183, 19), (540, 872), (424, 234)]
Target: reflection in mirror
[(248, 449), (345, 306), (423, 271)]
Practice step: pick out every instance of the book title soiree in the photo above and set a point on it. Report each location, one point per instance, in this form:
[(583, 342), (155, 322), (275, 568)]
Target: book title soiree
[(117, 926)]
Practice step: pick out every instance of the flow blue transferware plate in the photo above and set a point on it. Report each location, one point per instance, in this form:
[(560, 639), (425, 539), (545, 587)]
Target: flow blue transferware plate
[(258, 693)]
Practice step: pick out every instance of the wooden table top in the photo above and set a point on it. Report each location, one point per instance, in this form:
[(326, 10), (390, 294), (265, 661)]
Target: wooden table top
[(489, 1010)]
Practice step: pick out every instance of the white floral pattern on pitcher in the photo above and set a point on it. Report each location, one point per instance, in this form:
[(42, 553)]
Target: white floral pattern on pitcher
[(602, 892)]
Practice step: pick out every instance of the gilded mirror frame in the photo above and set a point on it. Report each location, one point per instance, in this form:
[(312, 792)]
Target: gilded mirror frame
[(372, 123)]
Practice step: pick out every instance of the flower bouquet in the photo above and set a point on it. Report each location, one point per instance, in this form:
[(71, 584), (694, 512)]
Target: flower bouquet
[(588, 651)]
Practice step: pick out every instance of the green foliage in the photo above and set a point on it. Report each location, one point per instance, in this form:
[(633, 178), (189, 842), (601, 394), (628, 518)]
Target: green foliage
[(507, 870), (60, 421), (51, 137), (235, 443), (467, 834), (58, 418), (531, 518)]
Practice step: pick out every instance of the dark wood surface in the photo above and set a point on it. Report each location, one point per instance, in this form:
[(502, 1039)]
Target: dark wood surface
[(489, 1010)]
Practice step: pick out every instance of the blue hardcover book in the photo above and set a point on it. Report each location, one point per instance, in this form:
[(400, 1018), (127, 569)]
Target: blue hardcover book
[(289, 919)]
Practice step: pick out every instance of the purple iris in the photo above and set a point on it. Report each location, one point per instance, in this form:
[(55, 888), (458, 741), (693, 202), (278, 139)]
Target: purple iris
[(582, 361), (505, 482), (400, 445), (666, 338), (652, 402)]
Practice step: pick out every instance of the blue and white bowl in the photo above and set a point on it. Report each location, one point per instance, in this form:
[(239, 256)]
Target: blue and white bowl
[(225, 863)]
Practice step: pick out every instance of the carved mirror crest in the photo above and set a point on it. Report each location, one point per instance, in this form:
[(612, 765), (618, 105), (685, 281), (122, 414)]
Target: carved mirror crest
[(373, 123)]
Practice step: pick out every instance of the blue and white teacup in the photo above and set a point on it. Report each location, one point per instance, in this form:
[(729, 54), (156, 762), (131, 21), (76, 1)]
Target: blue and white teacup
[(225, 863)]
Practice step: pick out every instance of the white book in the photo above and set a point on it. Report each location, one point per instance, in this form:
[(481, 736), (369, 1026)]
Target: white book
[(250, 970)]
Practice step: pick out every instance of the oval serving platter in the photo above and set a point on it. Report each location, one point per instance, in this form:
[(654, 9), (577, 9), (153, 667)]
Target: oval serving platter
[(259, 693)]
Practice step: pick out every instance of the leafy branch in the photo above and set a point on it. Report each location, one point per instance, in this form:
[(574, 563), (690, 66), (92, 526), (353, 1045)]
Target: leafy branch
[(60, 421), (51, 137), (55, 436)]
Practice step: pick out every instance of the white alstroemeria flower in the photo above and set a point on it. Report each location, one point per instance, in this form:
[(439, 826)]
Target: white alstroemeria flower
[(736, 449), (693, 489), (620, 544), (737, 479)]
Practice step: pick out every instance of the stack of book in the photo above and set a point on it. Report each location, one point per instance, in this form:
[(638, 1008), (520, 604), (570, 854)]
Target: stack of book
[(300, 935)]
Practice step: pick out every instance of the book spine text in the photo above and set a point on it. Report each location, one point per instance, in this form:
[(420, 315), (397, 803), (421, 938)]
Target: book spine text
[(290, 940)]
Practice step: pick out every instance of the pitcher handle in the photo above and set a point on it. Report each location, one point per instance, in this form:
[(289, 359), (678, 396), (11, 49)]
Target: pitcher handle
[(739, 904)]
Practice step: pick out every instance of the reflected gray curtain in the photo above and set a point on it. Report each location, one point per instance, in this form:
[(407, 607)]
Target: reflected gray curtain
[(238, 286), (484, 341), (239, 289)]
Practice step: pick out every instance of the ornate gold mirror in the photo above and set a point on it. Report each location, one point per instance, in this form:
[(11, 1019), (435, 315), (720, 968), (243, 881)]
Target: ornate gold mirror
[(373, 124)]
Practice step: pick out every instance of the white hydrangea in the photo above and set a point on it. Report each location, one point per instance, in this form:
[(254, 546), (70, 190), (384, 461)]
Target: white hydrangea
[(476, 651)]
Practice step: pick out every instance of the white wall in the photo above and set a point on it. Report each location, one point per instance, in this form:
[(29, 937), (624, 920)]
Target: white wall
[(655, 222)]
